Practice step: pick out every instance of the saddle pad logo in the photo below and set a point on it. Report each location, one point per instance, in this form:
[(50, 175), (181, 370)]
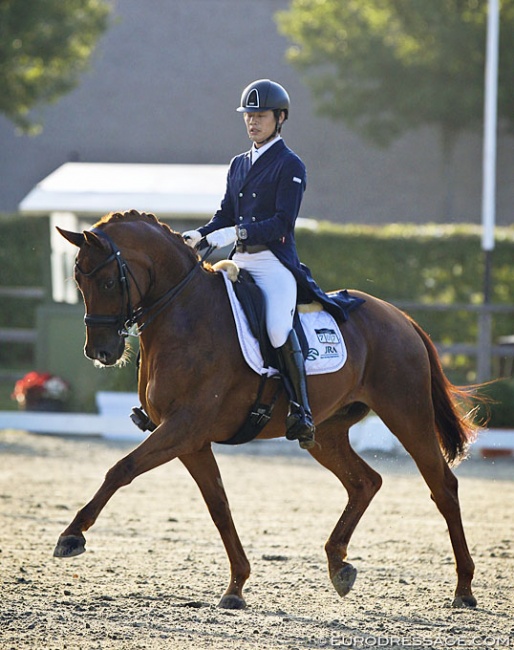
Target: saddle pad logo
[(329, 344)]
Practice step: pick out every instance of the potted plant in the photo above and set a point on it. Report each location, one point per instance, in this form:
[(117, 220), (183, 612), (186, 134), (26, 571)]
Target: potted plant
[(41, 391)]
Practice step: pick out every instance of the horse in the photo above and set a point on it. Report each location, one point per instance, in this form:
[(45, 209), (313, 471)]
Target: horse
[(194, 384)]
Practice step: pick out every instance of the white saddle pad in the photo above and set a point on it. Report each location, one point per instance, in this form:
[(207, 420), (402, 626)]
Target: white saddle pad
[(327, 349)]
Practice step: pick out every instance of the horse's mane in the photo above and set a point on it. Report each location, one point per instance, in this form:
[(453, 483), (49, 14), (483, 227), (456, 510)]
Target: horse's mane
[(132, 216)]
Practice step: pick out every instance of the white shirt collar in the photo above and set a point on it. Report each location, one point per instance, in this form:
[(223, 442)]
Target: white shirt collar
[(257, 153)]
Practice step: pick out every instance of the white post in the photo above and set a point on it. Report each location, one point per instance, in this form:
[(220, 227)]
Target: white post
[(63, 258), (490, 122), (489, 184)]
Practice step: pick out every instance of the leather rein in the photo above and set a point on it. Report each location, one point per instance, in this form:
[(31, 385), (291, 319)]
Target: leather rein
[(130, 315)]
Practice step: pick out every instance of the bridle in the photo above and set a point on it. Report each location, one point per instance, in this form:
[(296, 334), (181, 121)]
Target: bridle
[(129, 315)]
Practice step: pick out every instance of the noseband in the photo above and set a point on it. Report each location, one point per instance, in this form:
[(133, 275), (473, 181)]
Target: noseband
[(128, 316)]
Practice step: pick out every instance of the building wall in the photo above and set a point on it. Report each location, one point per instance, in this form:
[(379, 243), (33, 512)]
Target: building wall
[(163, 86)]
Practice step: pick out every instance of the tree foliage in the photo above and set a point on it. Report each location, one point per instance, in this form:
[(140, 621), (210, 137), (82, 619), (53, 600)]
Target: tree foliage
[(44, 47), (387, 66)]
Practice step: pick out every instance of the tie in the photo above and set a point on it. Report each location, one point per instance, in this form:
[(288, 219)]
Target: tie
[(248, 163)]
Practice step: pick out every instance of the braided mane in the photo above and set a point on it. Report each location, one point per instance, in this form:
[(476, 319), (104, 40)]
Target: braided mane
[(132, 216)]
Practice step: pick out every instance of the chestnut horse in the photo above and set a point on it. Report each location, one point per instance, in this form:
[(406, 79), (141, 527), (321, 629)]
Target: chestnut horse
[(196, 386)]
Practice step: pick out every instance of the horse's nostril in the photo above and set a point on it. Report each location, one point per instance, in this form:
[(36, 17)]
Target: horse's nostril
[(107, 358), (97, 355)]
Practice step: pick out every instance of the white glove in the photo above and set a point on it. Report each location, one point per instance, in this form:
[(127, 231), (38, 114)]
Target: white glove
[(222, 237), (192, 237)]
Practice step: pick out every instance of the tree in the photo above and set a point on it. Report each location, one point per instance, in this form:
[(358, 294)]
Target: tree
[(44, 47), (387, 66)]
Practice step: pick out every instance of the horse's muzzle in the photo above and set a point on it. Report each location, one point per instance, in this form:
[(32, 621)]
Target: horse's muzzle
[(105, 354)]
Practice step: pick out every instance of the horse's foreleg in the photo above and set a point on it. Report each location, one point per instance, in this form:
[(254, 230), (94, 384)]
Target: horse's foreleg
[(159, 448), (361, 483), (204, 469), (72, 541)]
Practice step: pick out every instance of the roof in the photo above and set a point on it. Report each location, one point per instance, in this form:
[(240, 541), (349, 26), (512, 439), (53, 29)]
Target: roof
[(98, 188)]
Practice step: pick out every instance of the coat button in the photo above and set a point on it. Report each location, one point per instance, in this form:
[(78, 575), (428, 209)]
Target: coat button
[(253, 218), (240, 218), (240, 194), (253, 194)]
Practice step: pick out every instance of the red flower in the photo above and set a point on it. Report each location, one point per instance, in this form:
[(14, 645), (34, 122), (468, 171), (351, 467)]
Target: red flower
[(40, 385)]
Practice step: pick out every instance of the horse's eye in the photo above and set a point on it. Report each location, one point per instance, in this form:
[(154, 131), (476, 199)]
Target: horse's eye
[(109, 284)]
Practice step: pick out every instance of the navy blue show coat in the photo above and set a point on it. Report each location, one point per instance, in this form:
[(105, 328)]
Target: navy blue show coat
[(265, 198)]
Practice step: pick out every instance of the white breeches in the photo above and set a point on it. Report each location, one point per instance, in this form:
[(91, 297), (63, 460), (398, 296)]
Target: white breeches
[(279, 288)]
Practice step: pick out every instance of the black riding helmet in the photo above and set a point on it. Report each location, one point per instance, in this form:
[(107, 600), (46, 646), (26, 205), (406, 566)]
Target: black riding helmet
[(264, 95)]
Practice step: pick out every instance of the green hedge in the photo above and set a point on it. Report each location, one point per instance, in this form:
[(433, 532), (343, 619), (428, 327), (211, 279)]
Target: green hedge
[(404, 262), (427, 264), (23, 246), (498, 411)]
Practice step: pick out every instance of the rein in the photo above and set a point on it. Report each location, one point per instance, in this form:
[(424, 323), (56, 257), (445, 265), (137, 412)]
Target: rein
[(129, 316)]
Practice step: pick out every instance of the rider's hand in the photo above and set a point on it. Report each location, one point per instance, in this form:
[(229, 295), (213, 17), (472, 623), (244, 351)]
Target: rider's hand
[(222, 237), (191, 237)]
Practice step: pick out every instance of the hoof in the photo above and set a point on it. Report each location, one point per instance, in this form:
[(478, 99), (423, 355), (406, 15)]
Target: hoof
[(464, 601), (70, 545), (343, 580), (231, 601)]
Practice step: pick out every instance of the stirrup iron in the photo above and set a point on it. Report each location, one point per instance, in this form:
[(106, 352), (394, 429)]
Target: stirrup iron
[(142, 420)]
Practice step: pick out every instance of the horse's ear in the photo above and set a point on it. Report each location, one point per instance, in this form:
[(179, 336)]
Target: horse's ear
[(75, 238), (93, 239)]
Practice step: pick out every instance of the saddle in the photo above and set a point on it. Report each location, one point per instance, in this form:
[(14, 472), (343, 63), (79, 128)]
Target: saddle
[(252, 302)]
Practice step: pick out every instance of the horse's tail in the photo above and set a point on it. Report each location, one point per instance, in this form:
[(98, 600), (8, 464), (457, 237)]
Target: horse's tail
[(454, 415)]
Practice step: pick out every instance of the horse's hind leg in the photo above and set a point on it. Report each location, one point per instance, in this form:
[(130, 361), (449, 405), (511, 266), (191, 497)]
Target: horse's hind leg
[(444, 491), (203, 468), (417, 434), (361, 482)]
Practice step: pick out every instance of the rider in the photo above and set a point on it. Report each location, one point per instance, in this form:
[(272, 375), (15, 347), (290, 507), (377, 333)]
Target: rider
[(264, 191)]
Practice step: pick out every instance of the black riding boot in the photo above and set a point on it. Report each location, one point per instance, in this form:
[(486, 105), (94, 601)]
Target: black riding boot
[(299, 424)]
